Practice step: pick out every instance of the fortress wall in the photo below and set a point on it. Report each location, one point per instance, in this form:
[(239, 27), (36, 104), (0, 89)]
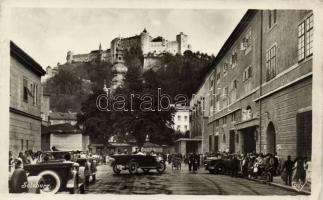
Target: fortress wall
[(130, 42), (157, 47), (81, 58), (172, 47)]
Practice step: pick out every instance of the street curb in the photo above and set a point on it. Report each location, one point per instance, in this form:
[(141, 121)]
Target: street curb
[(281, 186)]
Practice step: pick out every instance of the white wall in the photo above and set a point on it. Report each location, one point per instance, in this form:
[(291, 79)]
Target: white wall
[(182, 119), (66, 142)]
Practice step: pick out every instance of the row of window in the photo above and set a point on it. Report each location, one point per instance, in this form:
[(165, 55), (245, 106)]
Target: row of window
[(305, 49), (179, 118), (179, 127)]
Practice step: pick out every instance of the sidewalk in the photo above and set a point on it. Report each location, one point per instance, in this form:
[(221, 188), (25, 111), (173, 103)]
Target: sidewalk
[(278, 182)]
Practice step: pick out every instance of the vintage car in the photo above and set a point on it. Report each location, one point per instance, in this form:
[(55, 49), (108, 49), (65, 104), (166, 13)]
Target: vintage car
[(133, 162), (217, 165), (55, 175)]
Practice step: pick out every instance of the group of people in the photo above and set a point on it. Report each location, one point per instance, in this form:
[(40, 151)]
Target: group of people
[(253, 165), (192, 160), (28, 157), (18, 176)]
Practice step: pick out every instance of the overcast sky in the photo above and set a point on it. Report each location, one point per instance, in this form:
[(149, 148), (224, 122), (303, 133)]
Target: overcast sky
[(47, 34)]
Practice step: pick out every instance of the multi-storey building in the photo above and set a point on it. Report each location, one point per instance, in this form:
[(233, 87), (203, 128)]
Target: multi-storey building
[(181, 119), (198, 121), (25, 101), (261, 86)]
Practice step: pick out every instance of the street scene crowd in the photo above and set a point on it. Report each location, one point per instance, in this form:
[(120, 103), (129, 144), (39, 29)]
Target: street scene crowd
[(250, 165)]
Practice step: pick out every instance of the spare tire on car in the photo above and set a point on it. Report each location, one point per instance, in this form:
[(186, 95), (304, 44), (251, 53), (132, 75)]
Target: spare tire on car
[(51, 182)]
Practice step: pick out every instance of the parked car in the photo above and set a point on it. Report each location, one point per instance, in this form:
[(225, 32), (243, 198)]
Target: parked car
[(134, 162), (218, 165), (56, 174)]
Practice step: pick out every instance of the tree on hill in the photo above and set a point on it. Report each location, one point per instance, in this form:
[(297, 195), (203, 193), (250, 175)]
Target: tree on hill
[(74, 82), (182, 74), (133, 121)]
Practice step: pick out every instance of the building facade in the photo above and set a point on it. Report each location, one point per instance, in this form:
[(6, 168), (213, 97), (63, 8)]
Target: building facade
[(25, 101), (65, 137), (181, 120), (261, 86)]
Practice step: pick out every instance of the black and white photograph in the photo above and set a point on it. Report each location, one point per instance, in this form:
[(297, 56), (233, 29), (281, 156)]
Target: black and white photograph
[(162, 100)]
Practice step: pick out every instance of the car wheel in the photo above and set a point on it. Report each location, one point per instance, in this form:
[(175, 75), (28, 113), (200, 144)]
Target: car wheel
[(132, 167), (116, 170), (145, 170), (161, 167), (51, 182), (220, 169)]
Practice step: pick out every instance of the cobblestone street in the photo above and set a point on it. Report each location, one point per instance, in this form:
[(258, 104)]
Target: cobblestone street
[(179, 182)]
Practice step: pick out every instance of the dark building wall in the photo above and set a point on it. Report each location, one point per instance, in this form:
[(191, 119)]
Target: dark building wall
[(289, 93), (279, 103)]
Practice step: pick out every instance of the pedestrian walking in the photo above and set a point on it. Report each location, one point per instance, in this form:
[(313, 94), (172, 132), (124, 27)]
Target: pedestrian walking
[(299, 170), (287, 171), (87, 171), (93, 169)]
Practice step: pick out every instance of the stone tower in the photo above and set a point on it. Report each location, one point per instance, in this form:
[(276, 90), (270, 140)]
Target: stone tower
[(119, 69), (181, 39), (145, 40), (69, 57), (100, 56)]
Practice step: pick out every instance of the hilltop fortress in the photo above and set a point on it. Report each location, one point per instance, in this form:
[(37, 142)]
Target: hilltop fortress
[(152, 49)]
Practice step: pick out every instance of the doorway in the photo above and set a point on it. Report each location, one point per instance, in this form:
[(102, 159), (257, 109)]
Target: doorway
[(248, 140), (271, 138)]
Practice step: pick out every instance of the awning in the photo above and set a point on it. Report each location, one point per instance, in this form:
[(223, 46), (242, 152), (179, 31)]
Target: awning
[(247, 124)]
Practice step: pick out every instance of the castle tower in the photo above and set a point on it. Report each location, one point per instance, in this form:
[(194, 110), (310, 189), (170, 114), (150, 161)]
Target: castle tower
[(100, 56), (145, 41), (181, 39), (69, 57), (119, 70), (115, 45)]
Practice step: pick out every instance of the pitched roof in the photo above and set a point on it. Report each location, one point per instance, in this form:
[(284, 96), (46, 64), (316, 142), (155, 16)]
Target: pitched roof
[(66, 128), (25, 59)]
